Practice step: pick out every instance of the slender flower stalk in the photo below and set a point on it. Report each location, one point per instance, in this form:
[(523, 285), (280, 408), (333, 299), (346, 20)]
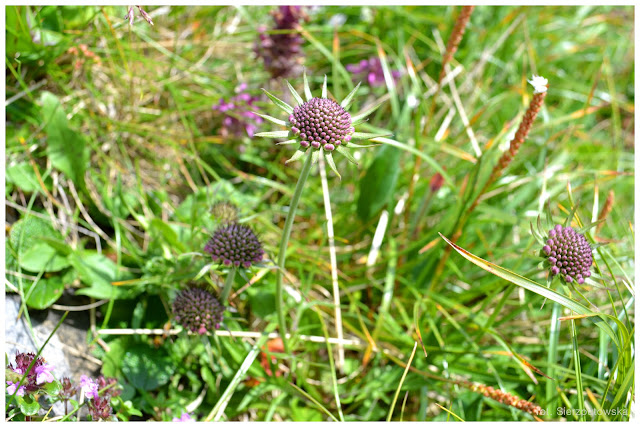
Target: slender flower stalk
[(228, 284), (284, 242), (319, 126)]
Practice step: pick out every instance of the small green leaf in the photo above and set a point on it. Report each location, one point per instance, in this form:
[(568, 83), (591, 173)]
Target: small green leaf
[(345, 152), (289, 142), (275, 134), (53, 388), (307, 91), (332, 164), (297, 155), (360, 116), (66, 147), (42, 257), (295, 94), (27, 405), (346, 103), (280, 103), (362, 135), (271, 119), (324, 87)]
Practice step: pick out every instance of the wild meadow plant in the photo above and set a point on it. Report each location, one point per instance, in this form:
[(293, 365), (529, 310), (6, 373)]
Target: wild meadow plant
[(319, 127), (112, 172), (30, 383)]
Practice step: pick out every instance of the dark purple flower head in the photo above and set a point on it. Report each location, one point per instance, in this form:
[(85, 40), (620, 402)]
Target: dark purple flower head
[(238, 117), (68, 391), (100, 409), (112, 383), (372, 68), (568, 254), (282, 50), (235, 245), (197, 310), (321, 122), (36, 376)]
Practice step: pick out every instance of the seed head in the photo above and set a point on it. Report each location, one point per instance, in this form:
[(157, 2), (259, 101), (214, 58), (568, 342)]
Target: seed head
[(235, 244), (197, 310), (568, 254)]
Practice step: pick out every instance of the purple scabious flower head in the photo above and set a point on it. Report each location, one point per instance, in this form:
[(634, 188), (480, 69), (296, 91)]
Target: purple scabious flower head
[(100, 408), (238, 117), (320, 125), (197, 310), (372, 69), (89, 387), (281, 51), (184, 418), (37, 375), (568, 254), (235, 245)]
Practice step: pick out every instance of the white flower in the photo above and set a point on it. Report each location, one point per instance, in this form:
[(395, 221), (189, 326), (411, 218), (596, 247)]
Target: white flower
[(539, 84)]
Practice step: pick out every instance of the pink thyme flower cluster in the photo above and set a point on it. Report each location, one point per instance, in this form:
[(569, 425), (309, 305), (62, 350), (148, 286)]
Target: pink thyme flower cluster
[(238, 117), (39, 374)]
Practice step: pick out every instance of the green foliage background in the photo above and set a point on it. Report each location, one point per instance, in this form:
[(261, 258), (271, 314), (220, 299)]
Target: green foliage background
[(113, 165)]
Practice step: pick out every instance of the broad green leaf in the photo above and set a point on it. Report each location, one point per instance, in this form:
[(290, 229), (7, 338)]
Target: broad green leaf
[(27, 405), (378, 184), (147, 368), (42, 257), (66, 147), (97, 272), (24, 177), (46, 291)]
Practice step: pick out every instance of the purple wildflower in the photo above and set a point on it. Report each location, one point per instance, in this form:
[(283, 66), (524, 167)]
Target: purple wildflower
[(130, 15), (11, 389), (568, 254), (43, 375), (89, 387), (100, 408), (37, 375), (235, 244), (184, 418), (372, 68), (282, 51), (238, 117), (197, 310)]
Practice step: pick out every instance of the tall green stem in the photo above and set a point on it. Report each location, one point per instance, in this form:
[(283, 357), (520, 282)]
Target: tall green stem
[(228, 284), (284, 242)]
